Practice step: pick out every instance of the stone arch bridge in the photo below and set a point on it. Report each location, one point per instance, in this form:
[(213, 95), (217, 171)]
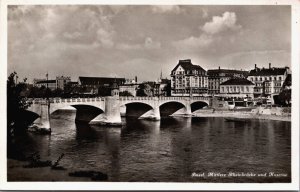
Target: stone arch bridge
[(108, 110)]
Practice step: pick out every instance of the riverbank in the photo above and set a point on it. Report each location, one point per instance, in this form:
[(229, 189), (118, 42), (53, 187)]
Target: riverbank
[(241, 115), (17, 172)]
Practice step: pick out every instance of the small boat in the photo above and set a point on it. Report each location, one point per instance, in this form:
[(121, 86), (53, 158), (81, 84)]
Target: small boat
[(234, 119)]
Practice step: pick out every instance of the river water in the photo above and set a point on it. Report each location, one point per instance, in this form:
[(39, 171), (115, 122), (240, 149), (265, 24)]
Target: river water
[(177, 149)]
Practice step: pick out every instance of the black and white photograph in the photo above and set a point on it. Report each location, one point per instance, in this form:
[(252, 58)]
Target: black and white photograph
[(156, 93)]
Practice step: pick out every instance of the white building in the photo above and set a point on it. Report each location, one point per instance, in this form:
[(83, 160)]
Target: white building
[(268, 81), (238, 87)]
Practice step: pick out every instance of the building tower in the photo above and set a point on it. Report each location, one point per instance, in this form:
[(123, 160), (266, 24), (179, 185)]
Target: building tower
[(115, 89)]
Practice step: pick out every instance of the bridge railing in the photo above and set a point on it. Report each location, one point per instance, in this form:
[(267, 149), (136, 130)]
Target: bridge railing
[(97, 99), (64, 100), (162, 98)]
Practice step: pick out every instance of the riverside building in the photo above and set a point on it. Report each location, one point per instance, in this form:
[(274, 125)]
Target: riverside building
[(268, 81), (218, 76), (237, 88), (188, 79)]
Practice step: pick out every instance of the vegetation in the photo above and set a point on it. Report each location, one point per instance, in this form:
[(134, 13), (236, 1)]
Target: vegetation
[(16, 103), (125, 94), (144, 90)]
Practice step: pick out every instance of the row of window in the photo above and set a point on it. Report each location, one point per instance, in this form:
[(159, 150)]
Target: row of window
[(189, 72), (266, 78), (234, 89)]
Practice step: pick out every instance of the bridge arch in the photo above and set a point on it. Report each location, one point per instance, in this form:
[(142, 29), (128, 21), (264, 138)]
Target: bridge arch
[(86, 113), (170, 107), (137, 109), (196, 105)]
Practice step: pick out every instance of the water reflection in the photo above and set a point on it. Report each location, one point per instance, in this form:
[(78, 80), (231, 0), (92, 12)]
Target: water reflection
[(166, 150)]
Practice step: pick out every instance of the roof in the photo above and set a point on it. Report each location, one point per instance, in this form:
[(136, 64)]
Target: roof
[(46, 81), (237, 81), (187, 65), (100, 80), (267, 71), (228, 72)]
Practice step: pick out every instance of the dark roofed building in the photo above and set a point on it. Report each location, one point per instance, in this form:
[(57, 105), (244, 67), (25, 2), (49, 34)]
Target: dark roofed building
[(188, 67), (99, 81), (218, 76), (188, 79), (100, 86)]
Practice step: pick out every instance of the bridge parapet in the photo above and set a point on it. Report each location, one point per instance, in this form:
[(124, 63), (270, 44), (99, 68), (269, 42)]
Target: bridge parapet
[(64, 100)]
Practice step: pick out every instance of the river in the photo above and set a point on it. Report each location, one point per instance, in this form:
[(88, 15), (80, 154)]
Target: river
[(175, 149)]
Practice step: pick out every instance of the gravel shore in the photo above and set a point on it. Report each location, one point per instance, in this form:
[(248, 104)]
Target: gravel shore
[(241, 115)]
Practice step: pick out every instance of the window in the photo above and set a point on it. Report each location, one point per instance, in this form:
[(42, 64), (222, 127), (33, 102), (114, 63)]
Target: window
[(280, 78), (255, 78), (223, 89), (275, 78), (247, 88), (260, 79), (242, 89)]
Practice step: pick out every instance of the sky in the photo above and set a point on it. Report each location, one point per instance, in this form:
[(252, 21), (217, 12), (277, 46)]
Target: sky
[(143, 40)]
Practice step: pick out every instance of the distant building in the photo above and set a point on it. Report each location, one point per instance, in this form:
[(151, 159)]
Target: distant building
[(268, 81), (35, 81), (129, 88), (237, 87), (161, 88), (62, 81), (218, 76), (51, 84), (188, 79), (98, 85), (59, 83)]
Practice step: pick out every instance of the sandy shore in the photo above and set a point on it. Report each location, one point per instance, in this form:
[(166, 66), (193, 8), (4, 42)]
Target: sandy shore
[(241, 115)]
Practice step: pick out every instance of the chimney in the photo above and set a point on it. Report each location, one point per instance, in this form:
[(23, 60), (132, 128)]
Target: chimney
[(255, 66), (219, 68), (269, 65), (135, 79)]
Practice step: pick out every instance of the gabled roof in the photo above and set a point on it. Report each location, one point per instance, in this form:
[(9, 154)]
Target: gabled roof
[(237, 81), (267, 71), (187, 65)]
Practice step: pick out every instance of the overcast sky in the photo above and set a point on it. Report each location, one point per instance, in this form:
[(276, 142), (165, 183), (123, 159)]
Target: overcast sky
[(125, 41)]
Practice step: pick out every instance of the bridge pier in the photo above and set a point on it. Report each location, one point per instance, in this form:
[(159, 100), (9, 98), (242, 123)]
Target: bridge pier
[(42, 123), (188, 110), (111, 114)]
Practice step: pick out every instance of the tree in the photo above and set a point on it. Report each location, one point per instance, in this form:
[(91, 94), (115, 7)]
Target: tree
[(144, 90), (126, 94), (16, 104), (284, 97)]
